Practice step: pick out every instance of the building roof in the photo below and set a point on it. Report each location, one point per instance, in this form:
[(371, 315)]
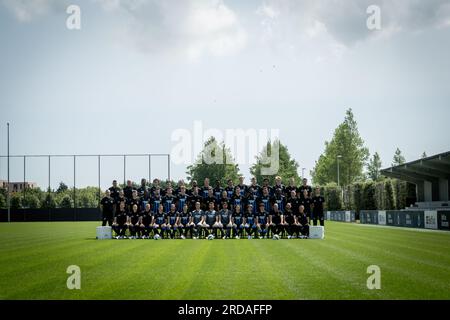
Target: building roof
[(426, 169)]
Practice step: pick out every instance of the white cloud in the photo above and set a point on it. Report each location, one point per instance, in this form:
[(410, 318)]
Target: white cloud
[(27, 10)]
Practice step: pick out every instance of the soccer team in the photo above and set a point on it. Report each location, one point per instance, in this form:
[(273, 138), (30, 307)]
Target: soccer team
[(250, 211)]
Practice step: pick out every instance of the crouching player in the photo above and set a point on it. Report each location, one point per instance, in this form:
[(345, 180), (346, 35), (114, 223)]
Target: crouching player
[(146, 221), (119, 225), (186, 223), (303, 222)]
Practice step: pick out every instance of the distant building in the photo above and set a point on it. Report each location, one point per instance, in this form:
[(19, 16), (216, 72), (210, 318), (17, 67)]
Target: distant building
[(17, 186)]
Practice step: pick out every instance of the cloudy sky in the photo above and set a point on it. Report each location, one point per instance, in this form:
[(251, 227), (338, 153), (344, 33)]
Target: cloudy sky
[(138, 70)]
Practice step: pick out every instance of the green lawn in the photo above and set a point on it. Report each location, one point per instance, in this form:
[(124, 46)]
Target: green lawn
[(34, 258)]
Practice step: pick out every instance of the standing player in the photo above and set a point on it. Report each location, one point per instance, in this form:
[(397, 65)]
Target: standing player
[(114, 191), (128, 190), (107, 209), (205, 189), (237, 198), (135, 200), (317, 207), (155, 185), (224, 198), (304, 187), (143, 190), (279, 199), (156, 200), (278, 185), (182, 198), (230, 188), (266, 199), (242, 186), (306, 202), (218, 190), (266, 183), (294, 201), (251, 198), (168, 199), (291, 187), (119, 224), (210, 198), (255, 187), (194, 198)]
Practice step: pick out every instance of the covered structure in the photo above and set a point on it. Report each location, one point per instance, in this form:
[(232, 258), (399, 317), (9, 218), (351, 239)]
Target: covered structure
[(431, 176)]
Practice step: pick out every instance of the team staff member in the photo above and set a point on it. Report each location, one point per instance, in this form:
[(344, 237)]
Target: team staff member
[(107, 209), (119, 224), (146, 221), (304, 187), (303, 222), (317, 207)]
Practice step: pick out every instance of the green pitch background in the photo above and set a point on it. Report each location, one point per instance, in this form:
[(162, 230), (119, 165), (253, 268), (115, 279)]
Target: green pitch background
[(34, 258)]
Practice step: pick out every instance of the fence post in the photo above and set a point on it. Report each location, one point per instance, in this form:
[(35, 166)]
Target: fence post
[(74, 189)]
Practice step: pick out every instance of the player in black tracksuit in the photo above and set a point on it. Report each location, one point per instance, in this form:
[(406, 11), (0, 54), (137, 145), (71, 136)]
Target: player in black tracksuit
[(194, 197), (114, 192), (119, 224), (107, 209), (304, 187), (128, 190), (303, 221), (291, 227), (187, 223), (159, 227), (146, 221), (306, 202), (225, 219), (135, 222), (276, 218), (317, 207)]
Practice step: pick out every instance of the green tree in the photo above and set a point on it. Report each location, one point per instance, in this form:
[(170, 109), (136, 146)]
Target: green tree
[(333, 198), (398, 158), (348, 144), (369, 200), (373, 167), (357, 196), (16, 201), (389, 202), (287, 167), (49, 201), (215, 162), (2, 201), (31, 201), (62, 187), (66, 202)]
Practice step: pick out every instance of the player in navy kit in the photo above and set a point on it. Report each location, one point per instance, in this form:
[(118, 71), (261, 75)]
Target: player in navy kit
[(261, 221), (237, 222), (174, 221), (134, 222), (226, 221), (159, 227), (210, 219), (186, 223), (146, 221), (198, 219), (250, 223), (276, 228)]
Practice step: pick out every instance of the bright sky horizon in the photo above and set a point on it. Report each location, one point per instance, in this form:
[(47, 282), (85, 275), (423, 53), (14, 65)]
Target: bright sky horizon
[(137, 71)]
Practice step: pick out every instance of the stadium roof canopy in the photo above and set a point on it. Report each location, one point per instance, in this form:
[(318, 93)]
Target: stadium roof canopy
[(431, 175)]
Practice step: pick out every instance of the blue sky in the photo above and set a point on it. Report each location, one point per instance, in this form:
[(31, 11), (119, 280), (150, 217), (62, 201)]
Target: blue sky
[(138, 70)]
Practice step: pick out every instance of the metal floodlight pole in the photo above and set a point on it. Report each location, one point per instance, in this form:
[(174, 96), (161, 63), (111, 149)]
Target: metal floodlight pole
[(149, 168), (24, 177), (168, 166), (74, 187), (99, 187), (8, 197)]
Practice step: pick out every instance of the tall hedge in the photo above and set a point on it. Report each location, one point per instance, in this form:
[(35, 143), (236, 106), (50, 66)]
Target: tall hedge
[(369, 202)]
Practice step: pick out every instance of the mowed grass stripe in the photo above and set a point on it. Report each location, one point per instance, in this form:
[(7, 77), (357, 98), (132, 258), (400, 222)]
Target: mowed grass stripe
[(34, 257)]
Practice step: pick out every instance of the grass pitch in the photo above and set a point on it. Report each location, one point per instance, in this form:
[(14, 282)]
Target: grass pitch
[(34, 258)]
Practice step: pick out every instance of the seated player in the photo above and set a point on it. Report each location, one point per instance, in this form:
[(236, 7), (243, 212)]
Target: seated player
[(159, 226), (210, 219), (198, 218), (119, 225), (226, 221), (303, 222), (276, 227), (306, 202), (186, 222), (146, 221), (261, 221), (134, 222), (174, 221), (250, 223), (289, 218), (284, 226), (237, 222)]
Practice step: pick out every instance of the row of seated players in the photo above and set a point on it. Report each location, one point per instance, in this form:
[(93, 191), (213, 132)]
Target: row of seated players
[(200, 224)]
